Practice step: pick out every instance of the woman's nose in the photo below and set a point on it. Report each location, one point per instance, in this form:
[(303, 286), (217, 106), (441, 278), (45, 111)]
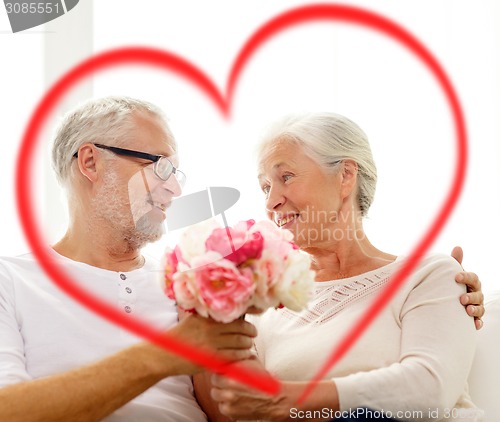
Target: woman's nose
[(275, 199)]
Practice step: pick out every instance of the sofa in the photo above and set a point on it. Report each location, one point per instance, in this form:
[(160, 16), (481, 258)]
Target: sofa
[(484, 378)]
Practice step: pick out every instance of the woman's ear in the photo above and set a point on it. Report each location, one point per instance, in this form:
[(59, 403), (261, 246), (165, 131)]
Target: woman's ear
[(87, 161), (349, 173)]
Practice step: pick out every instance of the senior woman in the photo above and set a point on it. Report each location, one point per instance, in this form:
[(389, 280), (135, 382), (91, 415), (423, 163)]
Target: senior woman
[(318, 176)]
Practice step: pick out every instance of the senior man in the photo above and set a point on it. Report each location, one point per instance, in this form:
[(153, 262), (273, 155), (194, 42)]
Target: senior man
[(116, 160)]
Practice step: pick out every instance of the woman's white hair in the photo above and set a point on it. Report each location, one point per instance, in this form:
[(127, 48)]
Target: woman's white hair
[(105, 120), (328, 138)]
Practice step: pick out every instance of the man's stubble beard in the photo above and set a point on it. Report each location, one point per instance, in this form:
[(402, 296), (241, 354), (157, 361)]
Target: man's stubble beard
[(132, 224)]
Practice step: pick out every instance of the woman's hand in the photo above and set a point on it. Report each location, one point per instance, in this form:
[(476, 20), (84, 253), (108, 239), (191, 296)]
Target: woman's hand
[(239, 401), (473, 300)]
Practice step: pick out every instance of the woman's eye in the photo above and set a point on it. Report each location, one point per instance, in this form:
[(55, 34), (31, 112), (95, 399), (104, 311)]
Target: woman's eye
[(265, 189), (287, 177)]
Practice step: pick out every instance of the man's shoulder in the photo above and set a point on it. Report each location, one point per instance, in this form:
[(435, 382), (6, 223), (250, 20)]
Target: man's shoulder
[(27, 261), (24, 256), (15, 270)]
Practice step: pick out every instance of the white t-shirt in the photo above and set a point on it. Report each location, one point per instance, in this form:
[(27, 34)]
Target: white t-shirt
[(44, 332), (415, 357)]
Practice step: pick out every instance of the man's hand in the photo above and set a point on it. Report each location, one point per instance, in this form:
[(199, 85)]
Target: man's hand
[(232, 341), (92, 392), (473, 300)]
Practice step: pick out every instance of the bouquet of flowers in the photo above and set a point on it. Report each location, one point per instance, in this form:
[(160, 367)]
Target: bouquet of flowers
[(223, 271)]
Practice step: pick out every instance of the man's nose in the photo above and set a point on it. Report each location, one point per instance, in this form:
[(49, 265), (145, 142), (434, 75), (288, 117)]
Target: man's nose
[(173, 185)]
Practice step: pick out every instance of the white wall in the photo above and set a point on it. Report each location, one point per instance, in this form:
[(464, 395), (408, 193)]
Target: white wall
[(339, 67), (21, 84)]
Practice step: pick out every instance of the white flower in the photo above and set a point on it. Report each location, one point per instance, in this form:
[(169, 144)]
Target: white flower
[(295, 287), (192, 241)]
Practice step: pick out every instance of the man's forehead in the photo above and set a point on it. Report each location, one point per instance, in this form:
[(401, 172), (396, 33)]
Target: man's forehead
[(151, 134)]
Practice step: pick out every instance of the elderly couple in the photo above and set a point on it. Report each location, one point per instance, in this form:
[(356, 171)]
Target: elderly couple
[(116, 159)]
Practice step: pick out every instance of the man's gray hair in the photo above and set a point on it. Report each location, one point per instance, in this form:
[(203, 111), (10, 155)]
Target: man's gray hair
[(328, 138), (105, 120)]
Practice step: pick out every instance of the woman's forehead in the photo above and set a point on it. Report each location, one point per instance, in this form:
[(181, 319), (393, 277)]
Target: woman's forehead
[(276, 146), (283, 153)]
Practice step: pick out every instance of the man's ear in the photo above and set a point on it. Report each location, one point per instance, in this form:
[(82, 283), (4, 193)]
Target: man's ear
[(349, 177), (87, 161)]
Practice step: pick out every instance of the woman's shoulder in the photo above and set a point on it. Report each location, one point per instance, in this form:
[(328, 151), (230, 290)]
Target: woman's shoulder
[(432, 262), (435, 269), (436, 260), (432, 282)]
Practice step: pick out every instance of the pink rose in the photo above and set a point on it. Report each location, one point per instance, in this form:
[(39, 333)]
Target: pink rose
[(225, 290), (236, 244), (171, 261), (186, 294), (277, 240)]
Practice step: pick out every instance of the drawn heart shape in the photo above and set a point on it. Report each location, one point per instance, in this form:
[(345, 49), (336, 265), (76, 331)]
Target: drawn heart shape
[(186, 70)]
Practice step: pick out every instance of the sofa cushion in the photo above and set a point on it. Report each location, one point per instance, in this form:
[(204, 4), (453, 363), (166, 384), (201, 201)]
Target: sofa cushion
[(484, 379)]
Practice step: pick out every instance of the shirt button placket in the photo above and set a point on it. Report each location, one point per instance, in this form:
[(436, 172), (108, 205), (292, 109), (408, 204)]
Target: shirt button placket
[(126, 294)]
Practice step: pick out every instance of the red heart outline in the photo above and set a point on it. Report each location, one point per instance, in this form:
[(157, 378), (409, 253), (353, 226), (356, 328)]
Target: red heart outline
[(184, 69)]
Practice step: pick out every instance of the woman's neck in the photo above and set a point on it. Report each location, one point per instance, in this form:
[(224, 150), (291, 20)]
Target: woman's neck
[(346, 259)]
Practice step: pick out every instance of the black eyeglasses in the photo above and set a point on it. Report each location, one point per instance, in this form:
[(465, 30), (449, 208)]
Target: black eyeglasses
[(163, 167)]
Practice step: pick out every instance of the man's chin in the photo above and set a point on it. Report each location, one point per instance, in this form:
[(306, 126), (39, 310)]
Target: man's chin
[(154, 235), (142, 236), (140, 240)]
